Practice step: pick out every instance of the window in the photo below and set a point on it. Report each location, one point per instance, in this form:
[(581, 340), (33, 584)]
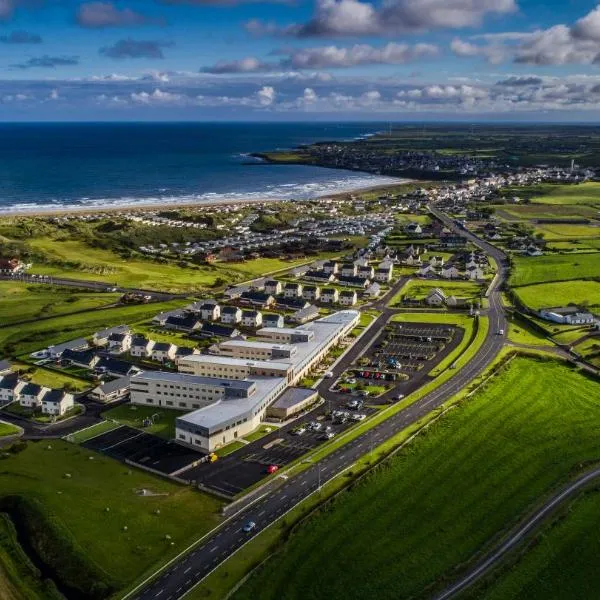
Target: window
[(169, 403)]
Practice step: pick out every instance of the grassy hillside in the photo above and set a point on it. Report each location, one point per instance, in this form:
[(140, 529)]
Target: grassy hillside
[(554, 267), (446, 495)]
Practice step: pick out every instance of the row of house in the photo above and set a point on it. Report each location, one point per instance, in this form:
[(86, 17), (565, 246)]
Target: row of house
[(33, 396)]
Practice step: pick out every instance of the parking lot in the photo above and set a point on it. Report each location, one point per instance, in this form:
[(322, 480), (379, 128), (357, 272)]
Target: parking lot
[(147, 450)]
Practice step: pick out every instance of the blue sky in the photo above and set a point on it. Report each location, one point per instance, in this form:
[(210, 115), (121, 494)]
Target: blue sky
[(299, 59)]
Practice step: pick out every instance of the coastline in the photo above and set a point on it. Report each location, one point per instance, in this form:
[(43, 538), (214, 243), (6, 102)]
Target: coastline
[(201, 205)]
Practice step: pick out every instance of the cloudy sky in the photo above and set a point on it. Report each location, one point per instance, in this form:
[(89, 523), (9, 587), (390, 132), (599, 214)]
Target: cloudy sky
[(299, 59)]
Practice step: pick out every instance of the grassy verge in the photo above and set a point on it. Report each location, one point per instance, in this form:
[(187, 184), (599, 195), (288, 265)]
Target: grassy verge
[(259, 433), (89, 432), (490, 475), (8, 429), (229, 448)]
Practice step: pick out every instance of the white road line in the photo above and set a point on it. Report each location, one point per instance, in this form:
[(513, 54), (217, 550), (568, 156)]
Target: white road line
[(213, 549), (187, 570)]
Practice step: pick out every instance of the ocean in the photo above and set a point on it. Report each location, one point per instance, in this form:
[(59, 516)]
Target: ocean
[(58, 165)]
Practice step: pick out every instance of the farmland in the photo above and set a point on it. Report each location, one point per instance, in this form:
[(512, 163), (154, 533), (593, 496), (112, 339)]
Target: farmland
[(584, 193), (554, 267), (400, 519), (122, 531), (560, 294)]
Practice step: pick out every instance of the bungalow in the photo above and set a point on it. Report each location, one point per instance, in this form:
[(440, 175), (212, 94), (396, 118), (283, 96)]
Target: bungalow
[(10, 388), (87, 359), (311, 292), (259, 299), (57, 402), (329, 295), (115, 367), (161, 318), (299, 271), (426, 269), (215, 330), (31, 395), (55, 352), (360, 282), (305, 314), (331, 267), (569, 315), (373, 291), (258, 285), (348, 298), (101, 338), (273, 320), (450, 272), (111, 391), (141, 347), (210, 311), (292, 290), (384, 274), (119, 342), (231, 315), (475, 273), (187, 323), (236, 292), (436, 297), (273, 287), (292, 303), (349, 270), (367, 272), (320, 276), (163, 351), (251, 318)]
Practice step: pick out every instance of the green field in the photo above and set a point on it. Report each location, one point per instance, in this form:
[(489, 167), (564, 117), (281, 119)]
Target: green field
[(20, 301), (559, 232), (52, 379), (446, 495), (560, 564), (17, 340), (560, 294), (134, 415), (79, 528), (554, 267), (7, 429), (584, 193), (420, 288)]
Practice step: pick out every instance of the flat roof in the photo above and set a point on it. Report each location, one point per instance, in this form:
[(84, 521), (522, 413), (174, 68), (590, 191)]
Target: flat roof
[(258, 345), (293, 396), (226, 360), (288, 330), (242, 384)]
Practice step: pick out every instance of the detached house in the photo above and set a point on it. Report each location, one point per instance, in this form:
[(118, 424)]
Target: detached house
[(331, 267), (10, 388), (163, 351), (141, 347), (384, 274), (273, 320), (348, 298), (305, 314), (252, 318), (436, 297), (101, 338), (366, 272), (31, 395), (231, 315), (57, 402), (329, 295), (349, 270), (273, 287), (475, 273), (292, 290), (311, 292), (119, 343), (111, 391), (210, 311), (450, 272)]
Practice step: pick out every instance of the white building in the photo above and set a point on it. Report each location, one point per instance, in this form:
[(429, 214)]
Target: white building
[(57, 402), (251, 318), (231, 315)]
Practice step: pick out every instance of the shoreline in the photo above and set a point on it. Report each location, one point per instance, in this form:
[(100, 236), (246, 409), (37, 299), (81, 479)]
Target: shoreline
[(202, 205)]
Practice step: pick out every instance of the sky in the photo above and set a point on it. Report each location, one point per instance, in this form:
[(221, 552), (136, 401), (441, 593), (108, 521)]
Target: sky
[(291, 60)]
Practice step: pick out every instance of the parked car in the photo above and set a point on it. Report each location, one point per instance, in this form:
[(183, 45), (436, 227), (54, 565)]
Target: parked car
[(315, 426), (328, 435), (298, 431), (272, 469), (358, 417)]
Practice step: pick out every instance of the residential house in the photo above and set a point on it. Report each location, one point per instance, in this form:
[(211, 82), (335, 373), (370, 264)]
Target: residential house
[(258, 285), (258, 299), (331, 267), (568, 315), (305, 314), (210, 311), (329, 295), (311, 292), (348, 298), (412, 260), (115, 367), (215, 330), (436, 297), (141, 347), (183, 352), (56, 351), (5, 367), (251, 318), (10, 266), (273, 320), (475, 273), (10, 388), (119, 342), (384, 274), (186, 323), (273, 287), (292, 290), (292, 303), (359, 282), (366, 271), (57, 402), (236, 291), (450, 271), (231, 315), (163, 351), (413, 229), (111, 391), (161, 318), (320, 277), (426, 270), (300, 271), (86, 359), (436, 261), (373, 291), (348, 270), (31, 395), (101, 338)]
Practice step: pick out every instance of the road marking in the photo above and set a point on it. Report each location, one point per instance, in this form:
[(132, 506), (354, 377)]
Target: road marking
[(187, 570), (215, 548), (260, 514), (158, 593)]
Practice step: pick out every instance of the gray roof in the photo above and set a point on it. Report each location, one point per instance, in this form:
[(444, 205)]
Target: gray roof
[(115, 384), (293, 396)]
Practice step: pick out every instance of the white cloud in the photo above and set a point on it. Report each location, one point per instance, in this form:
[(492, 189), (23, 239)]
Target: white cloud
[(266, 95)]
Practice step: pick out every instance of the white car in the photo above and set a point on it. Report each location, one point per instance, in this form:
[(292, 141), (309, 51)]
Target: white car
[(249, 526)]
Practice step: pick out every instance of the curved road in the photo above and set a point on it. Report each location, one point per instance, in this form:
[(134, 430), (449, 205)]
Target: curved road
[(192, 566), (519, 535)]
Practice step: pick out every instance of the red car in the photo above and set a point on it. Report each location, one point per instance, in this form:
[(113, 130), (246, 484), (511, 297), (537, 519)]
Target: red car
[(272, 468)]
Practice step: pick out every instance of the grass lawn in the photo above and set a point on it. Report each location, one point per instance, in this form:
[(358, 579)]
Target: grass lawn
[(560, 293), (420, 288), (259, 433), (16, 340), (557, 267), (134, 415), (21, 301), (78, 506), (89, 432), (562, 562), (583, 193), (229, 448), (521, 332), (7, 429), (52, 379), (413, 521)]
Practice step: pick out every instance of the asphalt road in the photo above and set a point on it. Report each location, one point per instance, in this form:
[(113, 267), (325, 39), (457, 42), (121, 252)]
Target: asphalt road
[(518, 536), (187, 570)]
